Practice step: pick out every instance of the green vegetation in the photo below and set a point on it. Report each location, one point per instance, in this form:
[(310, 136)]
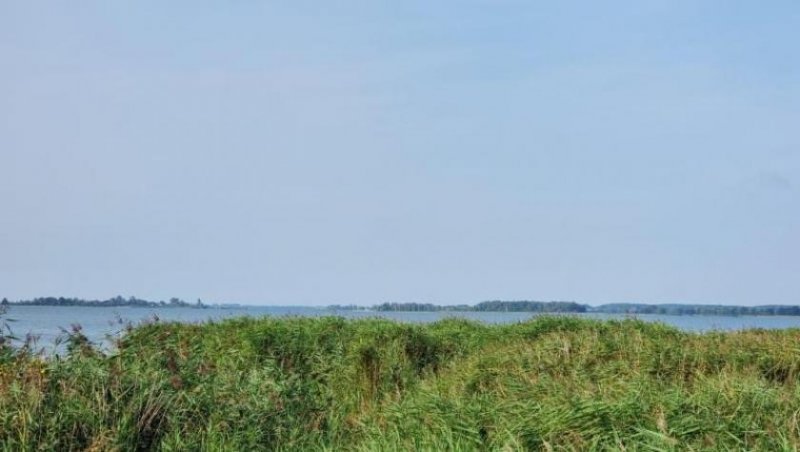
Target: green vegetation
[(553, 383)]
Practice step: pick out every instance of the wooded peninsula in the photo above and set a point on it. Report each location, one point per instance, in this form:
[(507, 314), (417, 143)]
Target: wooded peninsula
[(117, 301)]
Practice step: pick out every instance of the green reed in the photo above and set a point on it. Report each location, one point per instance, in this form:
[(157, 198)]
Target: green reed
[(553, 383)]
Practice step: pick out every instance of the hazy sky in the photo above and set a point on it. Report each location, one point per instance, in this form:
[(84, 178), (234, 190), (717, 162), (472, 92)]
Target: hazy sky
[(334, 152)]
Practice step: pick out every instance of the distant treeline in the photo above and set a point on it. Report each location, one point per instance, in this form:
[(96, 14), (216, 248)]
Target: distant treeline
[(111, 302), (486, 306), (531, 306), (489, 306), (573, 307), (418, 307)]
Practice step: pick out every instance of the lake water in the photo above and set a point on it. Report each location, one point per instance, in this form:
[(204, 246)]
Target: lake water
[(48, 322)]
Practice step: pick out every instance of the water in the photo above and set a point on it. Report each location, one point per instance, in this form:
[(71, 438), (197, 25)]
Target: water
[(48, 322)]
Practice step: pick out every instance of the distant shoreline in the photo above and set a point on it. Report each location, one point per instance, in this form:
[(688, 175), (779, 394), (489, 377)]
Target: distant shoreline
[(543, 307), (561, 307)]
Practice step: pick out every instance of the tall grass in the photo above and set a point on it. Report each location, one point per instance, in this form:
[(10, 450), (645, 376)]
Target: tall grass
[(554, 383)]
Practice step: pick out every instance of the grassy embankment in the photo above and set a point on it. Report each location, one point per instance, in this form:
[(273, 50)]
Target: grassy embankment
[(551, 383)]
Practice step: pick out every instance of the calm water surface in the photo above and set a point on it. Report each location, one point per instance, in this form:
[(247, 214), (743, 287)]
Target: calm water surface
[(48, 322)]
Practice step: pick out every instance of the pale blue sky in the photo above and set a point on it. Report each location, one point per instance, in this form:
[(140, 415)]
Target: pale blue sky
[(336, 152)]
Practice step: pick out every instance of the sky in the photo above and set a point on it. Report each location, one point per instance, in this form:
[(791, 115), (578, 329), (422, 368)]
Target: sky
[(310, 153)]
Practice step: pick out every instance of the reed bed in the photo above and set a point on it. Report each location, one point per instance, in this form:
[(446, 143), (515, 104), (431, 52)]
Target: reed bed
[(553, 383)]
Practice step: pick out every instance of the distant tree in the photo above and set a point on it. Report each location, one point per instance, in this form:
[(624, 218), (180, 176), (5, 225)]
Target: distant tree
[(4, 302)]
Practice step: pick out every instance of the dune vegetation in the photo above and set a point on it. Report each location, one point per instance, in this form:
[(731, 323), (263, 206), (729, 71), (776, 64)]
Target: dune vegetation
[(553, 383)]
